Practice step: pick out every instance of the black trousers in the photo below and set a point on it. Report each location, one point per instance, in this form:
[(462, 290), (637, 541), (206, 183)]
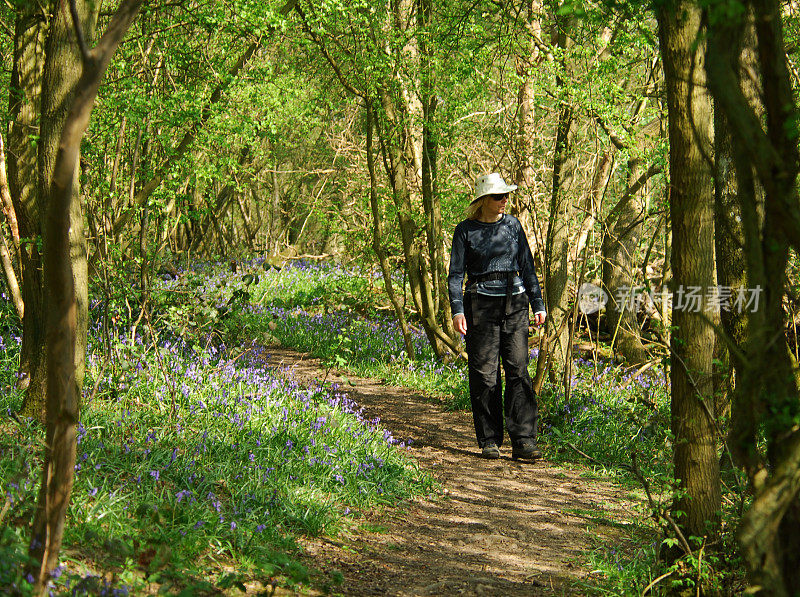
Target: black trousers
[(492, 337)]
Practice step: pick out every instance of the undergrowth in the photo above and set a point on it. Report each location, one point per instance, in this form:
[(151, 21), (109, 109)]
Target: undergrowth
[(612, 413), (216, 455), (193, 453)]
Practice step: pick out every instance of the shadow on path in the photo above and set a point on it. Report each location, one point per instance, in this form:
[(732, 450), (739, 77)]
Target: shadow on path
[(502, 527)]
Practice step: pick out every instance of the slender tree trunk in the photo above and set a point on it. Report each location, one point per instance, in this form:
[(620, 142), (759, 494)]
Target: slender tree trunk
[(24, 110), (619, 264), (592, 203), (377, 237), (557, 250), (63, 393), (398, 163), (112, 185), (8, 203), (430, 149), (10, 252), (526, 107), (274, 212), (246, 224), (6, 260), (527, 129), (691, 207)]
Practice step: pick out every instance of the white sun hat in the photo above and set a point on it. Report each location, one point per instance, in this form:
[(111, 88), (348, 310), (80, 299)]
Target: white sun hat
[(491, 184)]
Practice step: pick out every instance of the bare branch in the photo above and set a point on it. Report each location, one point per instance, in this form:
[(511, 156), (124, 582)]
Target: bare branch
[(613, 136), (659, 512)]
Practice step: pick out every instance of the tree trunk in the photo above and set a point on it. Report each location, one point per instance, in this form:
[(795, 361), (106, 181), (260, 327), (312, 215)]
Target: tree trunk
[(24, 109), (526, 107), (7, 203), (522, 205), (691, 207), (377, 238), (729, 234), (60, 75), (397, 161), (9, 252), (11, 275), (430, 149), (63, 383), (619, 264), (766, 398), (557, 250)]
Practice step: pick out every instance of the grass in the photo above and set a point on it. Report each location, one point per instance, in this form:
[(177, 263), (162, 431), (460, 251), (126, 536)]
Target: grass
[(610, 414), (333, 312), (233, 420), (190, 456)]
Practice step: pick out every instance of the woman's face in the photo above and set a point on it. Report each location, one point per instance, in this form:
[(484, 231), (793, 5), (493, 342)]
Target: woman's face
[(494, 206)]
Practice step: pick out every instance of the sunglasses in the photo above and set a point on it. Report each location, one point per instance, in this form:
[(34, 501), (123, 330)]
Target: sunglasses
[(499, 197)]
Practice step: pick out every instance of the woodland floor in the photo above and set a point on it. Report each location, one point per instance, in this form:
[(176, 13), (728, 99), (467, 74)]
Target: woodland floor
[(500, 527)]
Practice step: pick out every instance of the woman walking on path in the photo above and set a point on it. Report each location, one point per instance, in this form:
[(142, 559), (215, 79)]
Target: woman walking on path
[(491, 249)]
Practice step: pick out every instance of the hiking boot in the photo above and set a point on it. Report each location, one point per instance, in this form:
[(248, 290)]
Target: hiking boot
[(490, 450), (527, 451)]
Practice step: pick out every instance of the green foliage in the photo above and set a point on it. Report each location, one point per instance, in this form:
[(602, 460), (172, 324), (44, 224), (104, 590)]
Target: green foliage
[(191, 451), (191, 406), (335, 314), (610, 415)]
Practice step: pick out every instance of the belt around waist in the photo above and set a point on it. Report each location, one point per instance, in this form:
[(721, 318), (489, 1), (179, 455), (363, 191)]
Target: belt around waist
[(509, 276)]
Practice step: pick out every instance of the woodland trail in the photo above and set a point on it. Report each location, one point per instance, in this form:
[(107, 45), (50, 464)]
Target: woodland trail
[(501, 527)]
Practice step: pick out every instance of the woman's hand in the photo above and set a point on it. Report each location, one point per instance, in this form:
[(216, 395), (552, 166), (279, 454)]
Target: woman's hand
[(538, 318), (460, 323)]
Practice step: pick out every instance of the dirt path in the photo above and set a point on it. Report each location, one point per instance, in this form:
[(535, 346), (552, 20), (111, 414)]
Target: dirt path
[(502, 528)]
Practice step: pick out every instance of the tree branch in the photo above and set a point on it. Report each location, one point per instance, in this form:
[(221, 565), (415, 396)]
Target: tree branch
[(7, 29), (186, 142), (334, 65), (615, 139), (6, 202), (63, 399), (659, 512), (10, 275), (76, 23), (631, 191)]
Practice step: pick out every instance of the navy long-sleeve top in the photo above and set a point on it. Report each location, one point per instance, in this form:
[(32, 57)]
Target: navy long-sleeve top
[(481, 248)]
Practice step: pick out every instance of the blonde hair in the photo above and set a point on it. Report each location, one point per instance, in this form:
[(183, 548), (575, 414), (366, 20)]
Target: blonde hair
[(474, 209)]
